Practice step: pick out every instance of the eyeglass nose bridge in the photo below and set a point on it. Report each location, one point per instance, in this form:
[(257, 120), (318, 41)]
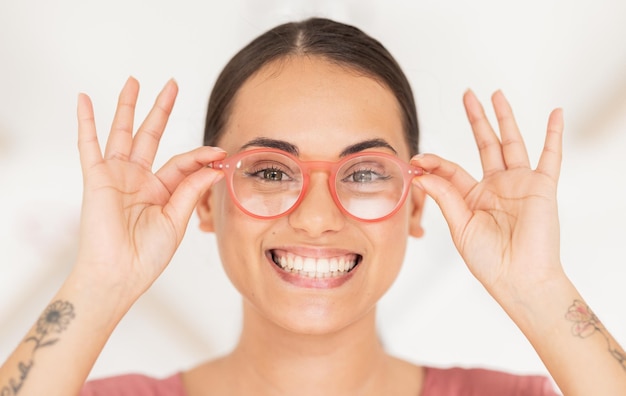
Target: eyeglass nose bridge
[(330, 168)]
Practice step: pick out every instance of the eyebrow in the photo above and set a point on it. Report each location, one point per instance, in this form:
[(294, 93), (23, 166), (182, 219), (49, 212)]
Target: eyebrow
[(272, 143), (293, 149), (367, 144)]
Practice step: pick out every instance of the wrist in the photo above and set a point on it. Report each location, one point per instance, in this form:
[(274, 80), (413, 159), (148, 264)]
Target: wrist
[(537, 305), (106, 300)]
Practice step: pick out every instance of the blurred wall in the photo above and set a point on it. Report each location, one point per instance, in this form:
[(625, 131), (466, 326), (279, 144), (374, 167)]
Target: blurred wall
[(543, 54)]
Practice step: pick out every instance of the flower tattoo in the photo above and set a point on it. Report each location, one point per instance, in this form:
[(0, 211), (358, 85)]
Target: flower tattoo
[(56, 318), (586, 323)]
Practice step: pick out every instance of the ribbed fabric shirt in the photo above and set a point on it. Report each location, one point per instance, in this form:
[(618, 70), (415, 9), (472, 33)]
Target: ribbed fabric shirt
[(437, 382)]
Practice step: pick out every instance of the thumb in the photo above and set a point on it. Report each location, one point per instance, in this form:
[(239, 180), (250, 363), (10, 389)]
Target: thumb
[(185, 198), (452, 204)]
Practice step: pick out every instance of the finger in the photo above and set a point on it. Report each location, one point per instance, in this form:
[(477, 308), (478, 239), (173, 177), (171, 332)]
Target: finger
[(450, 171), (449, 199), (552, 154), (513, 147), (149, 134), (488, 143), (88, 146), (181, 166), (186, 196), (121, 135)]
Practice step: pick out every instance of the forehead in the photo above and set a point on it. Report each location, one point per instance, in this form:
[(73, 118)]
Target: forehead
[(316, 105)]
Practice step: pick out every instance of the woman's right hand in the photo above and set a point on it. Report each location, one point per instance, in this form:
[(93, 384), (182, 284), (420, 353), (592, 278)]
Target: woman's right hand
[(132, 222), (133, 219)]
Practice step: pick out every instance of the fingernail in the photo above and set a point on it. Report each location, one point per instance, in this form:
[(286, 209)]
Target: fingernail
[(417, 157)]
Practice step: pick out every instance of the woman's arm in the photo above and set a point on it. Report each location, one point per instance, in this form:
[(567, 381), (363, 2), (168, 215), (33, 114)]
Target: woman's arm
[(506, 228), (56, 355), (132, 221)]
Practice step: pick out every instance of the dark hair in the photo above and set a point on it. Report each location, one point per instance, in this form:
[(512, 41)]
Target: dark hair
[(339, 43)]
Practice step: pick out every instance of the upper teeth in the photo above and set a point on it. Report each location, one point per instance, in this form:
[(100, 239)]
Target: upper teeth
[(316, 267)]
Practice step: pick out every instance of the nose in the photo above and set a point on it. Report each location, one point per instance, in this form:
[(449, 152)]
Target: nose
[(317, 213)]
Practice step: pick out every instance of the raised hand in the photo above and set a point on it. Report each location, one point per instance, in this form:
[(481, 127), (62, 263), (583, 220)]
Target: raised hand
[(133, 219), (505, 226)]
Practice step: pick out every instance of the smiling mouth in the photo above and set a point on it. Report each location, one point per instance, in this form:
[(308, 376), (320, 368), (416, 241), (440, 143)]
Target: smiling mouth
[(312, 267)]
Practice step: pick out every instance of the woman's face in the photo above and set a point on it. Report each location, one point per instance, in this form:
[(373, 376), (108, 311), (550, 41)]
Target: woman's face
[(320, 109)]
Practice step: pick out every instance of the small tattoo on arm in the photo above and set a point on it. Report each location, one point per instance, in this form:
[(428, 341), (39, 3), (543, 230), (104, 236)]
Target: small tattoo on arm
[(587, 323), (53, 321)]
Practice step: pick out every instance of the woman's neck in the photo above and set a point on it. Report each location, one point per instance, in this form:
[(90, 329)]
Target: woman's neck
[(271, 360), (350, 360)]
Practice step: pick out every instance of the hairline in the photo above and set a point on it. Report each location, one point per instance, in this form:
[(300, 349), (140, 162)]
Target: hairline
[(280, 62)]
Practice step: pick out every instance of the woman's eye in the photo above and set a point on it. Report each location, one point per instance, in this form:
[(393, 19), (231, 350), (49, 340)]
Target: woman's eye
[(270, 174), (364, 176), (273, 174)]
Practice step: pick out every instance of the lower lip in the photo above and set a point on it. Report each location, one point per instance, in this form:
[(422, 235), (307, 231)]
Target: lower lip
[(311, 283)]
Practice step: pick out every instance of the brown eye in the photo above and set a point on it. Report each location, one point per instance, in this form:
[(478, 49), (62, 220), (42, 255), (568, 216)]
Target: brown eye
[(269, 174), (273, 174)]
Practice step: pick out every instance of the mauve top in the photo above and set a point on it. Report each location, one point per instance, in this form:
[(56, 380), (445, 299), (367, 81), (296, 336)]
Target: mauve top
[(437, 382)]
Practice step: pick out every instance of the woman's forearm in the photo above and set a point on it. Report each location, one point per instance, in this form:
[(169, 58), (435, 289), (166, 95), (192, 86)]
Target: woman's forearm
[(579, 352), (58, 352)]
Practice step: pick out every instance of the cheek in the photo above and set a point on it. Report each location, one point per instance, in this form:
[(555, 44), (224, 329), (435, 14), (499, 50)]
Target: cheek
[(223, 208), (390, 239), (229, 221), (239, 240), (230, 231), (395, 230)]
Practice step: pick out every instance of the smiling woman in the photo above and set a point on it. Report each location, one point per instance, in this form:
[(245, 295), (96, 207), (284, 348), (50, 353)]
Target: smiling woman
[(311, 182)]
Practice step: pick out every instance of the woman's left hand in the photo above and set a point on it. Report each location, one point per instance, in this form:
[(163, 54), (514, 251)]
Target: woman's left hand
[(505, 226)]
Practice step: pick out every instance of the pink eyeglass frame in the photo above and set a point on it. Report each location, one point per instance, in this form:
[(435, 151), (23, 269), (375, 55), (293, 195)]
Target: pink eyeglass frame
[(229, 165)]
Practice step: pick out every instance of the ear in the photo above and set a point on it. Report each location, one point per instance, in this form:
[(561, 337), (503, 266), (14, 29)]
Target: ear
[(205, 212), (417, 196)]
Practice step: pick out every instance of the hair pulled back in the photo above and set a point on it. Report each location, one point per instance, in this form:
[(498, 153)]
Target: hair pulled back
[(337, 42)]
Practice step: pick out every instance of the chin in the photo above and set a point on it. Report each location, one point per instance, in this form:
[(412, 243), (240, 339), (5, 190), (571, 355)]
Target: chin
[(317, 316)]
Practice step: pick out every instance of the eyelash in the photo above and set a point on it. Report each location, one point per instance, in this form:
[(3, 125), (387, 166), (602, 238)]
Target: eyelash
[(377, 175), (256, 171)]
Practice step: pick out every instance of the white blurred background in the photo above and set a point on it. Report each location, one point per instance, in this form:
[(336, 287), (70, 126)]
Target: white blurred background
[(543, 54)]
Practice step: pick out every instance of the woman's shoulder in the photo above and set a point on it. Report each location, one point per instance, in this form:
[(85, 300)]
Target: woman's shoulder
[(135, 385), (484, 382)]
